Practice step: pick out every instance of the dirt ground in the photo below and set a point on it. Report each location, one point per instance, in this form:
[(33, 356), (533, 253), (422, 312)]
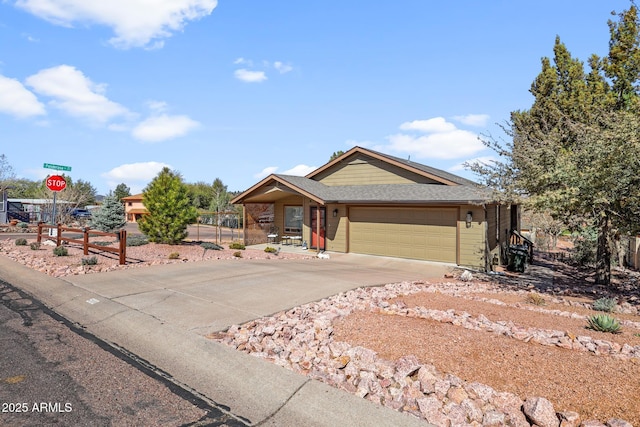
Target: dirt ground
[(595, 386)]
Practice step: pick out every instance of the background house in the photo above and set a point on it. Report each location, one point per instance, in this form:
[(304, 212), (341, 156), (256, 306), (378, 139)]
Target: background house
[(372, 203), (134, 208)]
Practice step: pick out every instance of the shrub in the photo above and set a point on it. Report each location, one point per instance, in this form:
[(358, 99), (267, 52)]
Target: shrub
[(22, 225), (604, 323), (60, 251), (236, 245), (35, 246), (166, 198), (103, 243), (174, 255), (137, 240), (237, 254), (90, 261), (21, 242), (535, 299), (605, 304), (584, 247), (209, 245), (111, 216), (270, 250)]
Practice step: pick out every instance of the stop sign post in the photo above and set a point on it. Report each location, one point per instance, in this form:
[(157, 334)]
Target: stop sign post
[(55, 183)]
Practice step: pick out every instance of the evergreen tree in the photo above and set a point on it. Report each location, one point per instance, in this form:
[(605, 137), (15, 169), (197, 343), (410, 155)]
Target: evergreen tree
[(111, 215), (336, 154), (200, 195), (122, 191), (170, 210), (574, 152)]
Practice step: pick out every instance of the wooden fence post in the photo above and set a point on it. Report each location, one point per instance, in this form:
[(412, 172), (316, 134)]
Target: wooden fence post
[(39, 238), (123, 247), (85, 240), (59, 235)]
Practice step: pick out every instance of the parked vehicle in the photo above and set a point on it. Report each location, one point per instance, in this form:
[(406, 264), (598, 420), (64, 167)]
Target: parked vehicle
[(80, 213)]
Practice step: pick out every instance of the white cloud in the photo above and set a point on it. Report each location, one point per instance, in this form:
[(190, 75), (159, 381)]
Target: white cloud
[(437, 124), (445, 145), (157, 106), (300, 170), (250, 76), (75, 94), (134, 175), (163, 127), (17, 100), (438, 139), (281, 67), (136, 23), (242, 61), (266, 172), (473, 119), (259, 74)]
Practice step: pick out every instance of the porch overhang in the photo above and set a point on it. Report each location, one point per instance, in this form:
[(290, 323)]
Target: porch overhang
[(273, 188)]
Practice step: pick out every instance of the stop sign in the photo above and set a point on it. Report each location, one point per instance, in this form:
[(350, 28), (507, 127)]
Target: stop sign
[(56, 183)]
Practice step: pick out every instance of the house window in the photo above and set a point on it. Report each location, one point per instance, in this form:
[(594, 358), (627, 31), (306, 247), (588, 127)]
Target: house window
[(293, 219), (130, 203)]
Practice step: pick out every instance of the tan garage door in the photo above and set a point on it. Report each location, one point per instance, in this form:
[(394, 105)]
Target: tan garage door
[(416, 233)]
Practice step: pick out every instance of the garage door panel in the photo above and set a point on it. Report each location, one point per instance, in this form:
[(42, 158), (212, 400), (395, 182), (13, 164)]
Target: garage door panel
[(418, 233)]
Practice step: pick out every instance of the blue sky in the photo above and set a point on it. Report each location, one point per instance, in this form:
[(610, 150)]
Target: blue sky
[(239, 89)]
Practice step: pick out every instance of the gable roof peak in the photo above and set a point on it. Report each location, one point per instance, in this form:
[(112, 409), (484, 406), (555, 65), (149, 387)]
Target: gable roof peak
[(419, 168)]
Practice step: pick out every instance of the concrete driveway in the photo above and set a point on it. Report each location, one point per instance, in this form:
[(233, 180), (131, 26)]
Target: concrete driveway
[(211, 296), (160, 314)]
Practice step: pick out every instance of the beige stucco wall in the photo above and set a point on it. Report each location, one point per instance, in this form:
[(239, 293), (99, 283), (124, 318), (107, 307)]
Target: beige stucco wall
[(472, 239), (336, 228)]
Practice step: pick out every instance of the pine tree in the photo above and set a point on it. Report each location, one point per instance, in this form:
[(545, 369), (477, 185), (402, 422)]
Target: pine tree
[(574, 152), (121, 191), (170, 210), (110, 217)]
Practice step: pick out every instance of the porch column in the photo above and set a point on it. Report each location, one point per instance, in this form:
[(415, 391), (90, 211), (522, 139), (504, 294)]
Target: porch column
[(318, 216), (244, 224)]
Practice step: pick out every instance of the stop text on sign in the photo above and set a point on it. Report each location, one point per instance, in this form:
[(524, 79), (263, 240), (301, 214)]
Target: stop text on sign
[(56, 183)]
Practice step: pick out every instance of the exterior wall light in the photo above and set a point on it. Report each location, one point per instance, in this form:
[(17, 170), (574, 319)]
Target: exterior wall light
[(469, 219), (335, 212)]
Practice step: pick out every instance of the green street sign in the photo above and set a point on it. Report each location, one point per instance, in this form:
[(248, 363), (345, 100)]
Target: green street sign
[(57, 167)]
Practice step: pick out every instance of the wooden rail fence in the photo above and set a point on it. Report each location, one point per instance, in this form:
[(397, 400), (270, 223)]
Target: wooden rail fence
[(121, 250)]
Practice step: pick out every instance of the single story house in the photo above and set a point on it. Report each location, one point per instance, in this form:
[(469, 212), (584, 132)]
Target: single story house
[(372, 203), (134, 208)]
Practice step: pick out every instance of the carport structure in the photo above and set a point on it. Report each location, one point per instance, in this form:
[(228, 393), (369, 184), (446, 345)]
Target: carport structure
[(372, 203)]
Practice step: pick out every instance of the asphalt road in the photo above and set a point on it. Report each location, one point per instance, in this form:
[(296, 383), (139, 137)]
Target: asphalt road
[(54, 373)]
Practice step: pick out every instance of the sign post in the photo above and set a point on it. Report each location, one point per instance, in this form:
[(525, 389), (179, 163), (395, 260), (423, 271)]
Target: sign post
[(55, 183)]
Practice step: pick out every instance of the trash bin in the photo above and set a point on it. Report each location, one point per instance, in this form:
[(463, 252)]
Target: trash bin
[(518, 255)]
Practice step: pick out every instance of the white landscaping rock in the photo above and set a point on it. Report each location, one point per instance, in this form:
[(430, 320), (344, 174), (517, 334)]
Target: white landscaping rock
[(540, 411)]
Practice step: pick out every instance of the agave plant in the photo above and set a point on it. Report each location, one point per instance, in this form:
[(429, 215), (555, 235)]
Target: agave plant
[(604, 323), (605, 304)]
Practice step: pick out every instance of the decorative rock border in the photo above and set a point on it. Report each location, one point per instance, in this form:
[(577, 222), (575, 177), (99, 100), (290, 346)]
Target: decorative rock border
[(301, 340)]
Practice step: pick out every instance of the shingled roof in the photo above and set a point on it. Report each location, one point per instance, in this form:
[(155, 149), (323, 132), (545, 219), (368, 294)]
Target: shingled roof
[(390, 193), (453, 189)]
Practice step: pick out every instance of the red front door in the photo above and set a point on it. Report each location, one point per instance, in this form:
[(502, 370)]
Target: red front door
[(315, 237)]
